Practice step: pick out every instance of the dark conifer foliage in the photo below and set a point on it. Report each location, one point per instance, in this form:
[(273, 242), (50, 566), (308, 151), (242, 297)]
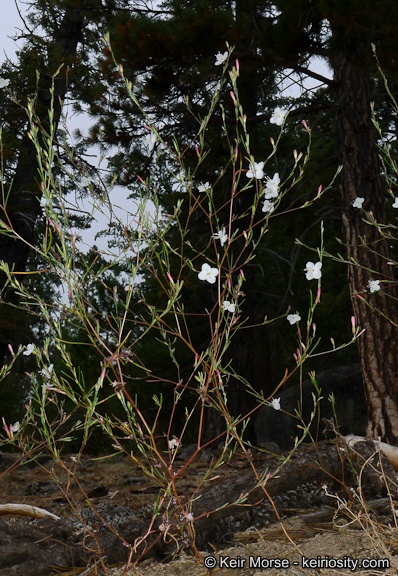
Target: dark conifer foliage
[(168, 51)]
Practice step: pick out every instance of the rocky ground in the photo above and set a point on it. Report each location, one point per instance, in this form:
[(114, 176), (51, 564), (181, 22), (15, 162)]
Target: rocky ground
[(295, 549), (94, 498)]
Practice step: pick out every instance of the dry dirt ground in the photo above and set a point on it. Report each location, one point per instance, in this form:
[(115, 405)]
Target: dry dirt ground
[(261, 548), (307, 541)]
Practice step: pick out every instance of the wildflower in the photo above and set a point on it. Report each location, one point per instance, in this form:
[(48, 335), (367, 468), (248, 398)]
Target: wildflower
[(15, 427), (189, 516), (276, 403), (150, 140), (84, 181), (256, 170), (173, 444), (221, 58), (293, 318), (29, 349), (46, 372), (313, 271), (268, 206), (358, 202), (229, 306), (4, 82), (221, 235), (272, 187), (278, 116), (374, 285), (204, 187), (208, 273), (395, 205)]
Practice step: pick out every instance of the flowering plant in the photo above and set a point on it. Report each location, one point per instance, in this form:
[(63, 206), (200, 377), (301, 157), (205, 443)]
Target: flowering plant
[(278, 116), (159, 300)]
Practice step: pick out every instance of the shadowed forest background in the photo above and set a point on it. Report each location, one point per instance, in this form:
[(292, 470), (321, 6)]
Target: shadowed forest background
[(167, 50)]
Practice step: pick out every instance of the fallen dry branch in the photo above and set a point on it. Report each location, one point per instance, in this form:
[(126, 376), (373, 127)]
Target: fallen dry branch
[(25, 510), (391, 452)]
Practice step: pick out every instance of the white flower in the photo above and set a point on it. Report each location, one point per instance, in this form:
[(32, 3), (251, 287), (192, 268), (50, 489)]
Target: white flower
[(208, 273), (15, 427), (293, 318), (395, 205), (222, 236), (46, 372), (358, 202), (29, 349), (204, 187), (256, 170), (272, 187), (85, 181), (229, 306), (150, 140), (268, 206), (173, 444), (374, 285), (278, 116), (4, 82), (313, 271), (221, 58), (276, 403)]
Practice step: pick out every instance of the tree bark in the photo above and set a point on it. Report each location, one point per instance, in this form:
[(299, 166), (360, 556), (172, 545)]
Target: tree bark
[(367, 251)]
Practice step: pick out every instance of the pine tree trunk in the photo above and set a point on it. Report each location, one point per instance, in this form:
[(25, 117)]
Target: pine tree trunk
[(367, 250)]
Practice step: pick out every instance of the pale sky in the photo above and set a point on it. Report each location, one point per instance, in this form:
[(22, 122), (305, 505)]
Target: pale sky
[(9, 24)]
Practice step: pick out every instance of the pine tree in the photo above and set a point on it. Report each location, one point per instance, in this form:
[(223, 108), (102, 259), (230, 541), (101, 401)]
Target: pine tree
[(168, 52), (270, 38), (352, 27), (42, 75)]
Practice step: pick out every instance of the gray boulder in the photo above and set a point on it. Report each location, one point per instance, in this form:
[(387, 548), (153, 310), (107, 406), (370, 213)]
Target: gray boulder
[(345, 382)]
